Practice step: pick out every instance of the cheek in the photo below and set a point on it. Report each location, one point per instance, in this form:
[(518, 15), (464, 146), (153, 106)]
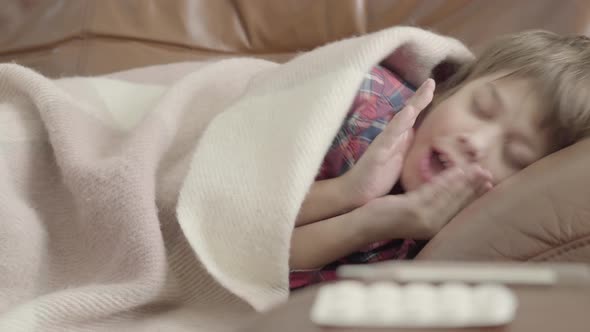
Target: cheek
[(497, 165), (435, 123)]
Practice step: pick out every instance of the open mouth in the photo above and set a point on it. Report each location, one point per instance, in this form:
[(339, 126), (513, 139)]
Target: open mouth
[(434, 163)]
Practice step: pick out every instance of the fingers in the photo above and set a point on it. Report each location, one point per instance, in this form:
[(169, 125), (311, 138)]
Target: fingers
[(484, 179), (396, 134), (396, 153), (395, 138), (407, 116), (453, 190), (440, 187), (423, 95), (405, 119)]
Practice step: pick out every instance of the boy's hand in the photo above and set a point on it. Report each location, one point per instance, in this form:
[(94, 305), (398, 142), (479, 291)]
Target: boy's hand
[(377, 171), (422, 213)]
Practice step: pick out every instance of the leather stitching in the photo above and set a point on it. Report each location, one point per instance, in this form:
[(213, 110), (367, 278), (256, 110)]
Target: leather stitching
[(561, 250)]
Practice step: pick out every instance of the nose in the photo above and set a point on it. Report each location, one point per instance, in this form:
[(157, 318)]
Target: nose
[(473, 149)]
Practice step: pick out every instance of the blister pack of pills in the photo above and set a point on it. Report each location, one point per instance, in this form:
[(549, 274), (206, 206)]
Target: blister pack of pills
[(388, 304)]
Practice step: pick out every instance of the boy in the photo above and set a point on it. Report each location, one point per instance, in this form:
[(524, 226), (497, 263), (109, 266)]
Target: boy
[(523, 99)]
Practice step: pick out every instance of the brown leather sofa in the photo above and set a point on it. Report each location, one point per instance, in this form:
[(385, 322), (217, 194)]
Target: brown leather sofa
[(541, 214)]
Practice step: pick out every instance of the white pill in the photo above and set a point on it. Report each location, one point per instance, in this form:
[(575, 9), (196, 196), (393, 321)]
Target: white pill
[(383, 303), (495, 304), (419, 301), (455, 303), (348, 291), (340, 303)]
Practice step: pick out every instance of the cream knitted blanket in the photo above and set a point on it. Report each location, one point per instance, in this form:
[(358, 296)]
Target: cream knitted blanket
[(150, 208)]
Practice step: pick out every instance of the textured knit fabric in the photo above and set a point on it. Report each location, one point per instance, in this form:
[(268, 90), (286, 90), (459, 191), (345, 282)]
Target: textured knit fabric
[(143, 208), (381, 95)]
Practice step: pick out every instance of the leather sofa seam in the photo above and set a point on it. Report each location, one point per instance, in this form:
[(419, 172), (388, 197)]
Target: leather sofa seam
[(58, 43), (561, 250)]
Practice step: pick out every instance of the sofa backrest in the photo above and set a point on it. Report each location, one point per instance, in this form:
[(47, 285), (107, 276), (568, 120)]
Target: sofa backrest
[(88, 37)]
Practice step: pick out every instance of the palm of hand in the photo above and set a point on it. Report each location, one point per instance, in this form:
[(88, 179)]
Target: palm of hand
[(379, 168)]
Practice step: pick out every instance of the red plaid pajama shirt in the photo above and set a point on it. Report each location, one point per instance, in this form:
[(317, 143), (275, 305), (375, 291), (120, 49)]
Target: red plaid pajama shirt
[(382, 94)]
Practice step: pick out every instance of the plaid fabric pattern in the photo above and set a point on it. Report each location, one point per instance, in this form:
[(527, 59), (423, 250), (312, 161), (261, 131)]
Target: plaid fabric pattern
[(382, 94)]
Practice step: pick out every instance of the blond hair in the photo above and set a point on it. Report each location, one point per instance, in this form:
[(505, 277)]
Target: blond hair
[(558, 65)]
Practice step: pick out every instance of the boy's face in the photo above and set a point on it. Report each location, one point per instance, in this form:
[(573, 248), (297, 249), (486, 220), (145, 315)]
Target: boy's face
[(493, 121)]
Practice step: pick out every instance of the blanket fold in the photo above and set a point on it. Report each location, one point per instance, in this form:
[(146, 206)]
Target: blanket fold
[(142, 207)]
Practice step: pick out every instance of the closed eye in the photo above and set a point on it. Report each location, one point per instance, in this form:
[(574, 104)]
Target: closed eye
[(483, 111), (517, 163), (516, 155)]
